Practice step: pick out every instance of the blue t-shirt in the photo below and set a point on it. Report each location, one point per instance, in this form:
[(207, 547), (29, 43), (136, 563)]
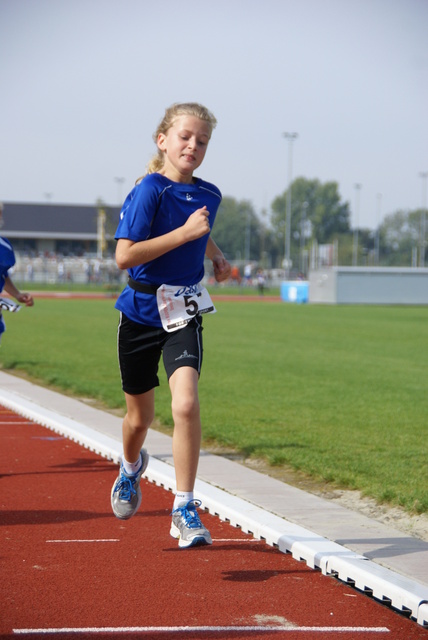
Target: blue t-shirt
[(7, 260), (155, 207)]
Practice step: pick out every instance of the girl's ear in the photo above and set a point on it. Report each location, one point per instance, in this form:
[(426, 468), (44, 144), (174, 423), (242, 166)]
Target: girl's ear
[(161, 141)]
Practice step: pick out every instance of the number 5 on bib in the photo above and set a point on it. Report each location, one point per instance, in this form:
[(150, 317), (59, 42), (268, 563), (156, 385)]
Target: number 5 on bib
[(178, 305)]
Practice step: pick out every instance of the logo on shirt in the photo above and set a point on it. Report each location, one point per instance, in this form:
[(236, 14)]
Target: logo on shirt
[(189, 197)]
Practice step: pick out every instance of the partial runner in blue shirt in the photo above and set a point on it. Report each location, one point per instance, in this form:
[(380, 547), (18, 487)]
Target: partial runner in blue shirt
[(163, 236), (7, 261)]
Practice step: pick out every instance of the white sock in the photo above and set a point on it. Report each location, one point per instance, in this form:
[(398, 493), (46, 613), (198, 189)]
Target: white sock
[(131, 467), (182, 496)]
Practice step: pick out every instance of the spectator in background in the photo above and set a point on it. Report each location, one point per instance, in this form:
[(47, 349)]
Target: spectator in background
[(261, 281), (235, 274), (247, 274)]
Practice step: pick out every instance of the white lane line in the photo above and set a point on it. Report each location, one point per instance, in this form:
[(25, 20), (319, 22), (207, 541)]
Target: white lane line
[(235, 540), (14, 422), (100, 540), (245, 629)]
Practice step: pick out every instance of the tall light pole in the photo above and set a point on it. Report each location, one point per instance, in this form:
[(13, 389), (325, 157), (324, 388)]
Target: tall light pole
[(424, 176), (291, 138), (305, 206), (101, 232), (248, 238), (379, 208), (356, 223)]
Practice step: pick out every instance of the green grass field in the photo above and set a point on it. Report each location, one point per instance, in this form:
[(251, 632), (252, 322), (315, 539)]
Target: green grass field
[(337, 392)]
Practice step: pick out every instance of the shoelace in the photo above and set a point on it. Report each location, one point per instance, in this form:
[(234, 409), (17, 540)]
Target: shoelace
[(190, 515), (125, 488)]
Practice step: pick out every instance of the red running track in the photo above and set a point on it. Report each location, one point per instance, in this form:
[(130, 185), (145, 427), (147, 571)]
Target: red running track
[(70, 569)]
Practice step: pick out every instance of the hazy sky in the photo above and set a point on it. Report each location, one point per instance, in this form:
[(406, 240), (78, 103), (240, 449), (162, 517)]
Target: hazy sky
[(84, 84)]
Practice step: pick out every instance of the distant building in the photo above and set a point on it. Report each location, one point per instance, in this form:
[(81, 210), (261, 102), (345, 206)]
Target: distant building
[(368, 285), (69, 230)]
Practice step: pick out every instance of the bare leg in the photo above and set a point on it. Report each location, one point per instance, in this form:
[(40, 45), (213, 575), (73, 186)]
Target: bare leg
[(126, 492), (139, 416), (186, 440)]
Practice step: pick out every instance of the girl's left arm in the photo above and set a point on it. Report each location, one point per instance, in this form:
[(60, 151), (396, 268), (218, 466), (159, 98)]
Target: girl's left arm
[(221, 265)]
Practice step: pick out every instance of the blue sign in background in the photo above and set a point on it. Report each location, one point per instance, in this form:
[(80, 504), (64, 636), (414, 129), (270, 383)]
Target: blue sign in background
[(295, 291)]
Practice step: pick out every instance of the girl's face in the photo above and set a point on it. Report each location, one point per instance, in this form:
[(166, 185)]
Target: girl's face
[(184, 146)]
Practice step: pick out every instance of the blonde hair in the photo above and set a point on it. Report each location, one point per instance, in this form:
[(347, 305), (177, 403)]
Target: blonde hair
[(171, 113)]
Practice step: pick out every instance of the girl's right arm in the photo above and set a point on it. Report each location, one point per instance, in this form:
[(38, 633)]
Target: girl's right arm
[(24, 298), (131, 254)]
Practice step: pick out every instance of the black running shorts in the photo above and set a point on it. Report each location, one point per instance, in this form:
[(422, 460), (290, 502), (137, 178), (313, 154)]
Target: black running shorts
[(140, 348)]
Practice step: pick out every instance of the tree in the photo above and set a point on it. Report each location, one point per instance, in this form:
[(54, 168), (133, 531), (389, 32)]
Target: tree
[(330, 217), (399, 237), (315, 207), (237, 230)]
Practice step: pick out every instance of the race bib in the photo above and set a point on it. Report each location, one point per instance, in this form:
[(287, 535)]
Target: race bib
[(8, 305), (178, 305)]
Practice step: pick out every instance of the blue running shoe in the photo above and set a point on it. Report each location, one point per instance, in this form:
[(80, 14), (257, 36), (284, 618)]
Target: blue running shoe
[(187, 527), (126, 492)]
